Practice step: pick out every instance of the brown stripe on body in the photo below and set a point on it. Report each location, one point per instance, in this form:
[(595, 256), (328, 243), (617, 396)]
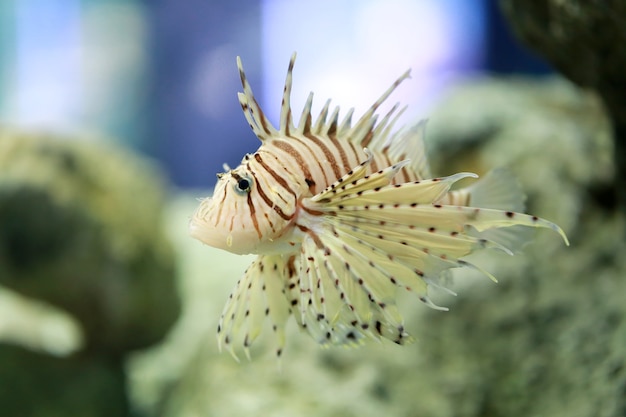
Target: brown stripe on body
[(265, 198), (291, 151), (456, 198), (313, 235), (270, 222), (311, 211), (255, 221), (328, 154), (314, 157), (374, 164), (356, 154), (232, 220), (280, 180), (367, 138), (221, 205), (287, 168), (347, 166)]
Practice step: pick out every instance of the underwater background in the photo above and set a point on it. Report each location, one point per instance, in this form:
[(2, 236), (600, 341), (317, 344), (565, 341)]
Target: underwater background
[(116, 115)]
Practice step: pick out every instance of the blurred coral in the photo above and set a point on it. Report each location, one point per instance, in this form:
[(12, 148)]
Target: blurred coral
[(81, 230)]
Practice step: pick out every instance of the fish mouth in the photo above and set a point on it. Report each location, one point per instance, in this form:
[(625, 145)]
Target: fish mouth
[(232, 241), (203, 231), (207, 233)]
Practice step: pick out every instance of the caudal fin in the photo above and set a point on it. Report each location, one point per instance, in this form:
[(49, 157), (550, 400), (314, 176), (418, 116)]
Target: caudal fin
[(499, 189)]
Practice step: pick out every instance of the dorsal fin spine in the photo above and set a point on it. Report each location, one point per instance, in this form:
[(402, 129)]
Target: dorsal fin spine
[(380, 129), (321, 119), (386, 136), (258, 131), (346, 123), (286, 121), (261, 126), (369, 114), (331, 130), (365, 132), (304, 125)]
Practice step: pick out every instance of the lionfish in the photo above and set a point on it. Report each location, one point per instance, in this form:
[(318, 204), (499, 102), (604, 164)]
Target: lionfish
[(342, 217)]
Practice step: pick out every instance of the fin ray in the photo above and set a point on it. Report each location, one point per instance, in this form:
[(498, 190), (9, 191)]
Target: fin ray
[(286, 119), (259, 123), (384, 236), (258, 294)]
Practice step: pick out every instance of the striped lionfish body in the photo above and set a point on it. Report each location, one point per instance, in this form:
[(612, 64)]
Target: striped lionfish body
[(343, 216)]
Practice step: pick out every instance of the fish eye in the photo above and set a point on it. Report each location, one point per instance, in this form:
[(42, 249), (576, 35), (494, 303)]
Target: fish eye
[(243, 185)]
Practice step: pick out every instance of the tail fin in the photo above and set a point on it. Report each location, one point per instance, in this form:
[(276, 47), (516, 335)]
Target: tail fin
[(499, 189)]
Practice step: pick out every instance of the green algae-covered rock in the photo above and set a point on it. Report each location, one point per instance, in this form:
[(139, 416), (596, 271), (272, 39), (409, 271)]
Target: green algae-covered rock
[(36, 385), (81, 230), (583, 40), (550, 339)]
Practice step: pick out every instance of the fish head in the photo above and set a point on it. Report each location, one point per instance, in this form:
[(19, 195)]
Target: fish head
[(247, 213)]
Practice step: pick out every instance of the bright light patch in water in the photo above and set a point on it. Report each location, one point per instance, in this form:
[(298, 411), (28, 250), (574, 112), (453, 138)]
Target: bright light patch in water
[(48, 62), (351, 51)]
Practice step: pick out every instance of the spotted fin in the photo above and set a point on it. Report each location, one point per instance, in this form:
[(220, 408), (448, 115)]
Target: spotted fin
[(339, 308), (257, 295), (366, 238), (331, 304), (372, 198)]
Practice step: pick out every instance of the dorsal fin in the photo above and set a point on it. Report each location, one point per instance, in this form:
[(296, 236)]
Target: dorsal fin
[(286, 120), (259, 124), (409, 143), (362, 129), (331, 126), (346, 123), (304, 125), (382, 130), (321, 119), (386, 137), (366, 132)]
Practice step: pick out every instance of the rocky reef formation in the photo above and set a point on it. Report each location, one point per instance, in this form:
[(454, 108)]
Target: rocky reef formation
[(80, 230), (549, 339), (584, 40)]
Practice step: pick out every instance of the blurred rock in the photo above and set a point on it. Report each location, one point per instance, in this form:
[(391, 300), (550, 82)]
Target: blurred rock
[(584, 40), (81, 230), (550, 339), (552, 135), (547, 340), (38, 326), (36, 385)]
